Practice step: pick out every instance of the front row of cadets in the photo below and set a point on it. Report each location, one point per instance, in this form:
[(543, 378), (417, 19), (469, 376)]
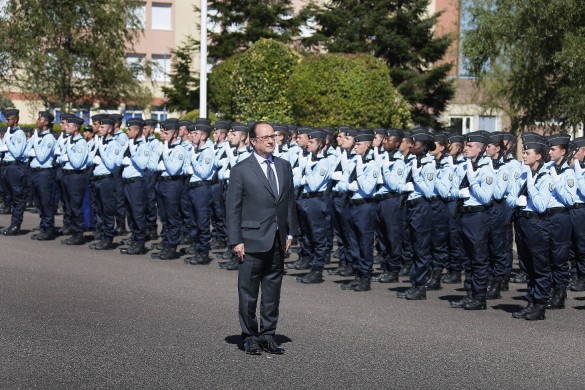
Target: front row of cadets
[(429, 203)]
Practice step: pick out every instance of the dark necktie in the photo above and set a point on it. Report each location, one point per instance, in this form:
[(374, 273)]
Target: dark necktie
[(271, 177)]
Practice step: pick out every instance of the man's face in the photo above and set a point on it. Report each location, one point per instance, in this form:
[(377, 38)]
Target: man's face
[(405, 145), (167, 135), (302, 140), (95, 127), (530, 157), (183, 131), (264, 142), (12, 121), (378, 139), (313, 145), (340, 139), (147, 130), (279, 138), (361, 147), (41, 122), (236, 138), (219, 136), (580, 155), (70, 128), (348, 142), (472, 149), (418, 147), (104, 130), (133, 131), (439, 150), (391, 143)]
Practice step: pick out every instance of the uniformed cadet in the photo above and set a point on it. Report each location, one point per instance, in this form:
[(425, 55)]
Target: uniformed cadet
[(405, 148), (150, 175), (360, 180), (186, 207), (339, 199), (60, 188), (15, 169), (456, 254), (219, 232), (390, 210), (201, 171), (169, 191), (440, 210), (134, 163), (315, 206), (92, 147), (557, 215), (475, 192), (282, 135), (418, 189), (531, 196), (122, 139), (43, 175), (499, 218), (577, 213), (73, 154), (106, 165)]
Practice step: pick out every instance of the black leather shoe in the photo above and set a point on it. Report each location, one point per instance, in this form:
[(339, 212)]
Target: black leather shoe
[(505, 286), (404, 271), (168, 254), (157, 255), (13, 230), (536, 313), (186, 240), (459, 303), (347, 271), (305, 263), (233, 266), (493, 291), (218, 245), (452, 277), (557, 299), (45, 235), (434, 283), (521, 278), (365, 284), (475, 304), (252, 347), (313, 277), (269, 345), (352, 284), (104, 245), (417, 294), (74, 240), (403, 294), (336, 271), (578, 284), (387, 277), (202, 258), (227, 255), (522, 313), (157, 246), (134, 249), (121, 231)]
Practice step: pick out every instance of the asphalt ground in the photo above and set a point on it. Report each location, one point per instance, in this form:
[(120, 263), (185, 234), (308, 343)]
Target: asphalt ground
[(71, 317)]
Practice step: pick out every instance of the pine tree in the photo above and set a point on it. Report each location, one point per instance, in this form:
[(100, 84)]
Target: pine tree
[(236, 24), (183, 92), (401, 33)]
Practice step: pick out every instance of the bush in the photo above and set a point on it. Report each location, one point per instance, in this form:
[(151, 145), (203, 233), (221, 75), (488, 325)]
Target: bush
[(221, 84), (345, 89), (192, 115)]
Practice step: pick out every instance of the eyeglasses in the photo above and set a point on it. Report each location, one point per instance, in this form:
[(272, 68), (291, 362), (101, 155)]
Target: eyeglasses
[(266, 138)]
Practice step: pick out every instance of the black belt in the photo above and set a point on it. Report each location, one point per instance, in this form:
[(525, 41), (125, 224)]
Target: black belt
[(435, 197), (473, 209), (307, 195), (73, 171), (170, 178), (579, 205), (415, 201), (101, 177), (529, 214), (200, 183), (356, 202), (337, 193), (385, 196), (41, 169), (499, 201), (556, 210), (133, 180), (6, 163)]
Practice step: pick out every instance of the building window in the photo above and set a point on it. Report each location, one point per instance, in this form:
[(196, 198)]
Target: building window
[(487, 123), (161, 16), (139, 12), (460, 124), (161, 65), (159, 115), (465, 24), (129, 114), (135, 62)]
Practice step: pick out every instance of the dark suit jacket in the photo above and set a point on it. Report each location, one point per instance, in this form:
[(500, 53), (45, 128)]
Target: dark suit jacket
[(252, 210)]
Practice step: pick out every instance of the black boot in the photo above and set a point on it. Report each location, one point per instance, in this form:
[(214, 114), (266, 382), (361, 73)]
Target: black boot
[(186, 240), (336, 271), (494, 288), (218, 245), (459, 304), (157, 246), (305, 263), (127, 241), (522, 313), (404, 271), (168, 254), (104, 245), (435, 282), (313, 277), (12, 230), (202, 258), (521, 278), (350, 285), (452, 277), (505, 286), (387, 277), (347, 271), (363, 285), (74, 240), (557, 299), (475, 304), (227, 255), (121, 227), (403, 294), (152, 234), (46, 235), (234, 264), (135, 249), (417, 294), (537, 312), (578, 284)]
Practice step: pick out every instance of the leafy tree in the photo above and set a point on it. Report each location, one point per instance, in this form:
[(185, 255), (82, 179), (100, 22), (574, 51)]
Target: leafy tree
[(183, 92), (237, 24), (400, 32), (68, 53), (346, 89), (541, 46), (221, 92)]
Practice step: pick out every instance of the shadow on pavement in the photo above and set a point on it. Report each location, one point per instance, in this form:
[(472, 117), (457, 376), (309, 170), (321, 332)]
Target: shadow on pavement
[(508, 308), (237, 340)]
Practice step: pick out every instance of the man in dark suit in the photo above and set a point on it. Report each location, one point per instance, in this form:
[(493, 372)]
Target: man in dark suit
[(260, 219)]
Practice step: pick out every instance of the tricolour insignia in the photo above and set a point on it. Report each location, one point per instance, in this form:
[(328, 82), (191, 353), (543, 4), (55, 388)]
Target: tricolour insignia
[(399, 172), (505, 177), (180, 157), (516, 175), (207, 160), (430, 176), (571, 183), (489, 180), (322, 172)]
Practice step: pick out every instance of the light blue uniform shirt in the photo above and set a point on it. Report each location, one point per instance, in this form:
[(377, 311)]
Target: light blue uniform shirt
[(444, 179), (139, 158), (481, 186), (77, 152), (580, 178), (317, 174), (503, 178), (16, 145), (174, 160), (539, 193), (424, 182), (240, 155), (43, 148), (155, 148), (393, 174), (564, 188), (111, 155), (202, 163), (122, 139), (366, 178)]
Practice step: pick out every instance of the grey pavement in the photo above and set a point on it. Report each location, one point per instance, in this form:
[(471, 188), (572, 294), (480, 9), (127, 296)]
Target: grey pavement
[(71, 317)]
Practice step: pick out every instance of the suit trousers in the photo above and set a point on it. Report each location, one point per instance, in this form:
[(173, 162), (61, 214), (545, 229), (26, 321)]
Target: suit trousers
[(260, 270)]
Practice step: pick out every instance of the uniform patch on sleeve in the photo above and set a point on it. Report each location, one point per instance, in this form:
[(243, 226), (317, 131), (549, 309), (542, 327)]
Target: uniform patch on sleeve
[(516, 175), (207, 160), (505, 177), (399, 171), (18, 141), (180, 157), (450, 177), (322, 172), (430, 176), (571, 183), (489, 180)]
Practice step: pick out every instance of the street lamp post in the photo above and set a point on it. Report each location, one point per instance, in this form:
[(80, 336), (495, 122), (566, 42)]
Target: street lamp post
[(203, 62)]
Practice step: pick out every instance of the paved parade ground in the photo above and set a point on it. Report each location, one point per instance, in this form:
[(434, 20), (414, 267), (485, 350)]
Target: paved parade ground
[(71, 317)]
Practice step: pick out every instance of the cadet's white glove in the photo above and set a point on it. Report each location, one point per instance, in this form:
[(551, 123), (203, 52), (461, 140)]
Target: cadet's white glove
[(338, 175), (222, 162), (530, 180), (4, 148), (380, 179), (57, 151), (378, 157), (408, 187), (64, 158), (353, 186), (303, 160), (471, 174), (126, 161), (8, 135), (296, 171), (343, 158), (464, 193), (303, 180), (97, 160), (359, 163), (190, 170), (450, 162), (578, 168), (132, 146), (233, 159), (166, 146), (161, 166), (35, 135), (311, 163), (521, 201), (415, 168), (32, 152), (227, 174), (554, 175)]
